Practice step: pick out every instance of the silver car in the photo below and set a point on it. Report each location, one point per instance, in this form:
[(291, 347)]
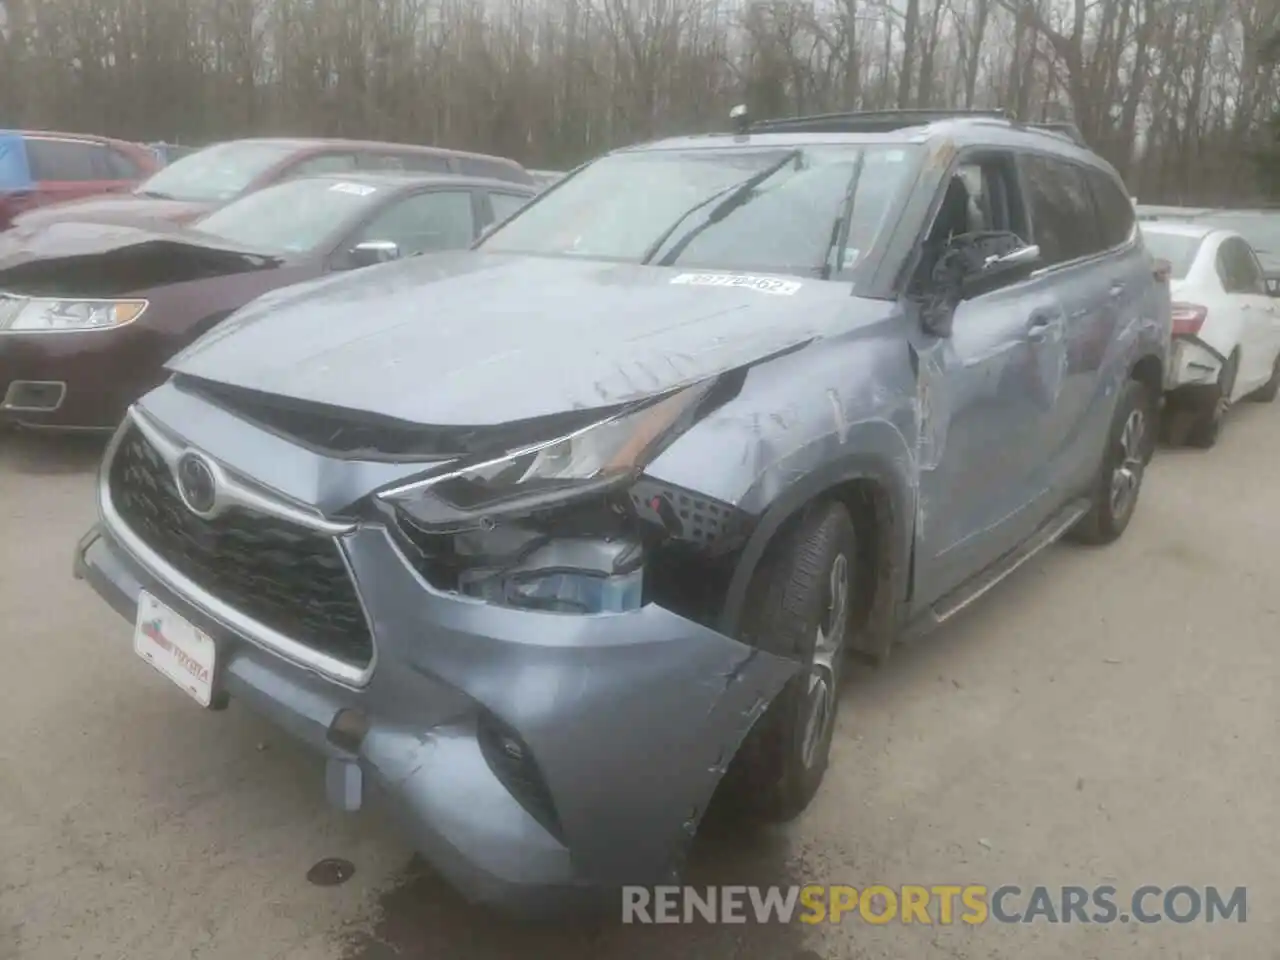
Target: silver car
[(553, 540)]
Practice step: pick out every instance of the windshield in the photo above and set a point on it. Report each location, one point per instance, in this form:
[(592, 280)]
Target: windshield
[(1262, 230), (215, 174), (688, 207), (297, 216), (1179, 250)]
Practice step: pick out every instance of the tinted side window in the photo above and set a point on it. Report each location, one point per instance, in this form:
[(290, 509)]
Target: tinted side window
[(505, 204), (1238, 269), (1115, 209), (65, 160), (442, 220), (1062, 211)]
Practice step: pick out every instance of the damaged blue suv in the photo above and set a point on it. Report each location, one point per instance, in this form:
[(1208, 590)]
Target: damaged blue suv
[(552, 540)]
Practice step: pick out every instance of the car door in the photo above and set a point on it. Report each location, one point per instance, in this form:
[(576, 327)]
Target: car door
[(423, 222), (1268, 308), (65, 168), (1243, 281), (1094, 287), (986, 395)]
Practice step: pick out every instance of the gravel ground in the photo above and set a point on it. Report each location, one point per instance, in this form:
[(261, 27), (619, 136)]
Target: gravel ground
[(1106, 716)]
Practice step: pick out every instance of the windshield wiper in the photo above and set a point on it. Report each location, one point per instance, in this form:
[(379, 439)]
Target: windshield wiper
[(833, 259), (737, 196)]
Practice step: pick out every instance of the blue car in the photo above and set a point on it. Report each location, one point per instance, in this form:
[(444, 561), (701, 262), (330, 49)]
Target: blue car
[(553, 539)]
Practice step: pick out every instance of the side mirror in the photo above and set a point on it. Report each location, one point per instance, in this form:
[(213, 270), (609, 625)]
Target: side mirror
[(973, 264), (1000, 270), (372, 252)]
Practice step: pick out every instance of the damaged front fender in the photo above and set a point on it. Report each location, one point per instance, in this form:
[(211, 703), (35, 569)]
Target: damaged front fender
[(631, 718)]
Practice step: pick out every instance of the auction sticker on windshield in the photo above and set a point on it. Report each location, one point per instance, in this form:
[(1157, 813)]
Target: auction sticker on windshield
[(177, 648), (783, 288)]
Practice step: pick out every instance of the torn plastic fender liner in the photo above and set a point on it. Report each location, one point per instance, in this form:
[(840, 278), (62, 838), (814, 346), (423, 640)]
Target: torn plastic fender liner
[(631, 718)]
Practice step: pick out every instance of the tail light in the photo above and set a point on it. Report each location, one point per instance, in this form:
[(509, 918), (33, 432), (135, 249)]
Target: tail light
[(1188, 318)]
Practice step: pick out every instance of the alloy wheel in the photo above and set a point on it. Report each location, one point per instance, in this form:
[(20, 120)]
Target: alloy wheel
[(1127, 475), (827, 650)]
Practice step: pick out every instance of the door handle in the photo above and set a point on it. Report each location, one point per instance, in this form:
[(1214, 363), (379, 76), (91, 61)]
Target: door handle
[(1038, 326)]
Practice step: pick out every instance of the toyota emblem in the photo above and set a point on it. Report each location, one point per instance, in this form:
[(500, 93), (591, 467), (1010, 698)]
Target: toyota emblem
[(196, 484)]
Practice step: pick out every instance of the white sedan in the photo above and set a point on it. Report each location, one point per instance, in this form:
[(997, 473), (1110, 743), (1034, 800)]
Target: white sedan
[(1226, 327)]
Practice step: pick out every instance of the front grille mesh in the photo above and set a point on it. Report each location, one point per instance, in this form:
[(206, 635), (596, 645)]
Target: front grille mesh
[(281, 574)]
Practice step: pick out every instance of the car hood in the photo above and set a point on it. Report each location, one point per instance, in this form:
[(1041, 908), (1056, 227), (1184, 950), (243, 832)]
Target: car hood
[(470, 338), (71, 258), (114, 208)]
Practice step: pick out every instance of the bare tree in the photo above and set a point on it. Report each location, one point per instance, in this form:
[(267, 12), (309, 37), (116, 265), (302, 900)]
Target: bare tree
[(1177, 93)]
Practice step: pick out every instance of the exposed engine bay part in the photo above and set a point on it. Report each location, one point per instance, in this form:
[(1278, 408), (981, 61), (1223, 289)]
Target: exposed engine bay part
[(607, 554), (125, 269)]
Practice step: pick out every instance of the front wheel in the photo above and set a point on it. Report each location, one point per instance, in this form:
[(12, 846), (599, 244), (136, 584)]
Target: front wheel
[(800, 607), (1119, 481)]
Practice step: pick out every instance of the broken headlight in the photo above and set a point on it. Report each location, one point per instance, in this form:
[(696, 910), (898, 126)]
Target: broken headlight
[(56, 316), (596, 458)]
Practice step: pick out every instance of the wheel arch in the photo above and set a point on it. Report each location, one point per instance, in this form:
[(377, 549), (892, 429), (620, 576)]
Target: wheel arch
[(881, 503), (1149, 371)]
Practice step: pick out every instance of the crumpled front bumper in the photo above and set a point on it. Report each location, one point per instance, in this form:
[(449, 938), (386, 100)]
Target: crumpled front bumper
[(631, 719)]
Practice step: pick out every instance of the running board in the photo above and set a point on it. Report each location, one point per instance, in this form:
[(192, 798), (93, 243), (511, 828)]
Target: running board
[(972, 589)]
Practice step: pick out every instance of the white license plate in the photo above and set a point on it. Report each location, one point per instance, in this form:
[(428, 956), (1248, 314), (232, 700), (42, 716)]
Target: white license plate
[(176, 647)]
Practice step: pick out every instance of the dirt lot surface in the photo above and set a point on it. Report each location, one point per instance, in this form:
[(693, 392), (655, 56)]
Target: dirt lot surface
[(1106, 716)]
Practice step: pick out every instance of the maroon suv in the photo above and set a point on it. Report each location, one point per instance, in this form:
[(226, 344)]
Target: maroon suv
[(224, 172)]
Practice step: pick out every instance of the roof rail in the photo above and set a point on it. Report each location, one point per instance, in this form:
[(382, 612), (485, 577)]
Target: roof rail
[(866, 121), (877, 121)]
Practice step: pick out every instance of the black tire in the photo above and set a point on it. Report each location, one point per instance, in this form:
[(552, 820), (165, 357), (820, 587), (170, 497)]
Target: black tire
[(796, 602), (1123, 462), (1268, 391), (1206, 425)]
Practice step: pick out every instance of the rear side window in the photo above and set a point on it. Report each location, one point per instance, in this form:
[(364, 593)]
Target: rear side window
[(1238, 269), (1062, 210), (65, 160), (1115, 209)]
